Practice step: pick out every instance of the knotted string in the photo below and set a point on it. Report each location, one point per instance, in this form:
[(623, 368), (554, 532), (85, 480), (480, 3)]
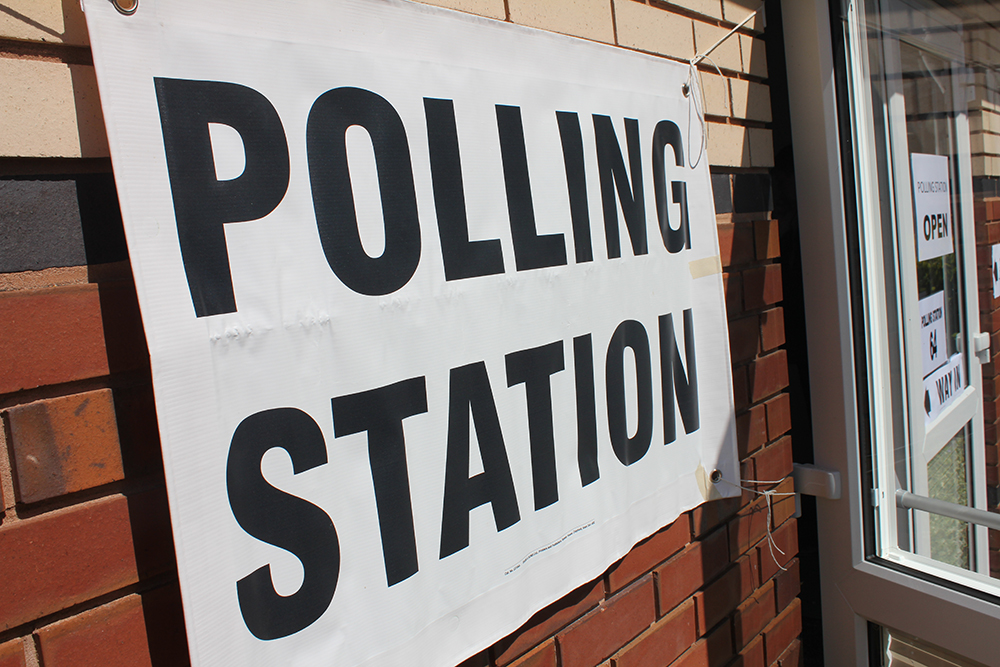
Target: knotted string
[(695, 90)]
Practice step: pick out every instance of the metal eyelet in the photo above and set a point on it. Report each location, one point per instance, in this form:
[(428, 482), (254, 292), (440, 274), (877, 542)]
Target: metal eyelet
[(126, 7)]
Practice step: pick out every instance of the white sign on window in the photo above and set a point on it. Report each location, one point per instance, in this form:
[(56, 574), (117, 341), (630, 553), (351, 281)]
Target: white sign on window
[(996, 270), (932, 205), (435, 315), (933, 332), (943, 386)]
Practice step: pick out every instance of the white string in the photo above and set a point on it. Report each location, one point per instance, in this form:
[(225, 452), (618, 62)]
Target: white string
[(769, 495), (696, 90)]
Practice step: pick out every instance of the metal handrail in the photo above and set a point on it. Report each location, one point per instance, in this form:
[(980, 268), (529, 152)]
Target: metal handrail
[(908, 500)]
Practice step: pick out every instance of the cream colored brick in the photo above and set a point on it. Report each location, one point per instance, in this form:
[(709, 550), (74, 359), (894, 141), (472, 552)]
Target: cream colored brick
[(726, 55), (976, 121), (716, 94), (583, 18), (754, 56), (761, 147), (711, 8), (979, 166), (58, 21), (735, 11), (652, 29), (493, 9), (751, 100), (976, 142), (727, 146), (50, 109)]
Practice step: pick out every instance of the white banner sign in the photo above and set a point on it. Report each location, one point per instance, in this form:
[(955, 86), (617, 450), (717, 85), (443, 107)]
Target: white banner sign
[(932, 205), (435, 312), (933, 332)]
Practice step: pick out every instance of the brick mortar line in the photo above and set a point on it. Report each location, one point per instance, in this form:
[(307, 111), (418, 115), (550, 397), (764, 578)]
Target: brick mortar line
[(27, 629), (120, 380), (45, 52), (127, 487), (6, 477)]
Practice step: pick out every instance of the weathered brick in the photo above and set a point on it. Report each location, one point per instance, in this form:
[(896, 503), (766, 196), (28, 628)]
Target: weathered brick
[(774, 462), (12, 654), (728, 145), (752, 655), (747, 528), (686, 572), (751, 430), (741, 392), (44, 21), (754, 56), (732, 285), (779, 416), (650, 552), (787, 584), (543, 656), (780, 633), (735, 243), (59, 335), (664, 641), (708, 515), (761, 147), (548, 621), (111, 635), (68, 124), (723, 595), (772, 328), (793, 655), (582, 18), (754, 614), (727, 54), (762, 286), (768, 375), (786, 539), (65, 444), (606, 629), (67, 556), (744, 338), (713, 650), (652, 29)]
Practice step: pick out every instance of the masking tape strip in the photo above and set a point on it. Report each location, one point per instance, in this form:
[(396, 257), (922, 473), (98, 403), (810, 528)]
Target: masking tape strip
[(707, 266)]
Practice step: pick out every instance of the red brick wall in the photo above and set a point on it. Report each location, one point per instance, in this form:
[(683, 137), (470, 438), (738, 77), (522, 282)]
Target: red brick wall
[(987, 216), (86, 558)]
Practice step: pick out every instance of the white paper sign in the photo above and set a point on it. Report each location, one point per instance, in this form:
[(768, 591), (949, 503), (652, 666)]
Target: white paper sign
[(932, 205), (932, 332), (435, 313), (943, 386), (996, 270)]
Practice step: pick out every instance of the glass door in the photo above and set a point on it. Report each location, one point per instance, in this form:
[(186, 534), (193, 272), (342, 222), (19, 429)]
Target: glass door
[(887, 179)]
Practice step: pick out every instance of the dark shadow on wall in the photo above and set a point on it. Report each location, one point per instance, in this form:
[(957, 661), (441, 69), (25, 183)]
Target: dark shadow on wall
[(786, 211)]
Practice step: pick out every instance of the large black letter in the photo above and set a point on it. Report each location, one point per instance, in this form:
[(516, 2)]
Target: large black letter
[(629, 334), (586, 410), (333, 197), (576, 183), (462, 258), (674, 240), (533, 368), (470, 391), (381, 412), (202, 203), (674, 379), (283, 520), (531, 251), (611, 167)]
